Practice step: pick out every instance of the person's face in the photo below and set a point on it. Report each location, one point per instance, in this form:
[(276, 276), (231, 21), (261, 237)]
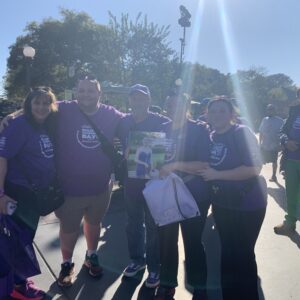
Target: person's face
[(175, 108), (88, 95), (219, 115), (139, 103), (41, 108), (270, 111)]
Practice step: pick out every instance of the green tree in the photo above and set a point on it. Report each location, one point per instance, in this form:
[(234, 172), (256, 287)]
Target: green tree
[(75, 41), (145, 54)]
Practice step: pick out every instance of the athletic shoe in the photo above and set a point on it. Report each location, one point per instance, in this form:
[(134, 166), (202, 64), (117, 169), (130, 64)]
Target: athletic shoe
[(27, 291), (66, 275), (152, 280), (285, 228), (132, 269), (92, 263), (164, 293)]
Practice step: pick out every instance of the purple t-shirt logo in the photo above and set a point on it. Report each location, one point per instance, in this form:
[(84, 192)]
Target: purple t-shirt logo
[(46, 146), (87, 138), (218, 154)]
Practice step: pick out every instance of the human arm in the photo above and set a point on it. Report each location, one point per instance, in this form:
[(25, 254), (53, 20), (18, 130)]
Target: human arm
[(5, 121), (4, 199), (239, 173), (190, 167)]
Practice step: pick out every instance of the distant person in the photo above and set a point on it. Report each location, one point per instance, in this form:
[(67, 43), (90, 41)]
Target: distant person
[(291, 142), (239, 199), (203, 113), (142, 232), (269, 138), (155, 109), (26, 158)]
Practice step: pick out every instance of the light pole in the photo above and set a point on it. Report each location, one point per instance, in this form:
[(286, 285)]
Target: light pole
[(184, 22), (29, 54)]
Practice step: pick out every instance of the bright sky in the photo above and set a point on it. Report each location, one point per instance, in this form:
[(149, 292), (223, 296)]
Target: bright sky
[(225, 34)]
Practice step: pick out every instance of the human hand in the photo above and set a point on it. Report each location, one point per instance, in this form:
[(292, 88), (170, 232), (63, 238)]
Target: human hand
[(209, 174), (292, 145), (5, 121), (166, 170), (3, 203)]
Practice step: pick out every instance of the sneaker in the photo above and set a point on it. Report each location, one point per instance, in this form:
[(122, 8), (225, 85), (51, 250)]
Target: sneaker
[(199, 295), (152, 280), (27, 291), (273, 179), (132, 269), (164, 293), (285, 228), (92, 263), (66, 275)]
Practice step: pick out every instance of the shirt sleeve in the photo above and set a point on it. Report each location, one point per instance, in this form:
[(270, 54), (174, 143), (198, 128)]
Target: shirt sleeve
[(248, 147), (12, 139)]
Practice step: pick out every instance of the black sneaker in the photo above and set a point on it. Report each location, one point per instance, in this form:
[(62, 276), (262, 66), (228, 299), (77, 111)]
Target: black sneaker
[(92, 264), (66, 275), (164, 293)]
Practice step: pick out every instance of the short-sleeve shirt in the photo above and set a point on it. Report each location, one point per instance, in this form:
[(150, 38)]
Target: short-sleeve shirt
[(190, 143), (153, 123), (83, 167), (294, 134), (270, 129), (237, 147), (29, 153)]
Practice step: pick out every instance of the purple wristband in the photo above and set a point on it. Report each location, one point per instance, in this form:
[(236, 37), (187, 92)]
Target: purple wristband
[(1, 192)]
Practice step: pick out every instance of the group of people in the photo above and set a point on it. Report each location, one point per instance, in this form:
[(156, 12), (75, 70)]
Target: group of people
[(221, 163)]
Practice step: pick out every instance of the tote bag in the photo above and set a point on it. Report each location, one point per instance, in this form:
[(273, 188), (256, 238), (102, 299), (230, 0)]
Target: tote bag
[(169, 200)]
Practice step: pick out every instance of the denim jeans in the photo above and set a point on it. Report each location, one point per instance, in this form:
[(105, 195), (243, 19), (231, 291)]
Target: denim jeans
[(142, 232)]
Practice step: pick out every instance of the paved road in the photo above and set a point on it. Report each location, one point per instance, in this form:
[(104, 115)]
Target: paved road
[(278, 259)]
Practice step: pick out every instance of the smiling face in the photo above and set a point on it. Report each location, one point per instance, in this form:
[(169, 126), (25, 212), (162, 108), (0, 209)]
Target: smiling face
[(88, 95), (41, 108), (139, 104), (220, 114)]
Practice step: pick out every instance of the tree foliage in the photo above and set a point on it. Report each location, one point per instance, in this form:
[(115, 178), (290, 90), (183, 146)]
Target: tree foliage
[(125, 52)]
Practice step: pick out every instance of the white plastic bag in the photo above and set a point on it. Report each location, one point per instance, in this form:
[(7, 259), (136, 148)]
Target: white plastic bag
[(169, 200)]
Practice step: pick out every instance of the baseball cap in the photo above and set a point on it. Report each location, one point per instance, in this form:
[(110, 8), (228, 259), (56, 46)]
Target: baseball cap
[(139, 88)]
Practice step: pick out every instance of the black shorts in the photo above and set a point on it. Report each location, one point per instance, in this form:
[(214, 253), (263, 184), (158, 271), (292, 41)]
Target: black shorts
[(269, 156)]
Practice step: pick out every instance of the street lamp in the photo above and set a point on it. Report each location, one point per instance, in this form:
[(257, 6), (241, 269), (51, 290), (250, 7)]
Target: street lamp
[(184, 22), (29, 54)]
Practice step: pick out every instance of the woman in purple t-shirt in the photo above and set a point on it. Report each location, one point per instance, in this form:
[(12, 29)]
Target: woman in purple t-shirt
[(26, 152), (238, 197)]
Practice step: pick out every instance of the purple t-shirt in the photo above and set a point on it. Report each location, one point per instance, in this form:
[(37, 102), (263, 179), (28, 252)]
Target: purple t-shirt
[(83, 167), (153, 123), (237, 147), (294, 134), (29, 148), (190, 143)]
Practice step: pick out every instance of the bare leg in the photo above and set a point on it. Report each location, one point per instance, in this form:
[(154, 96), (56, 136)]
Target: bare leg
[(67, 243), (92, 234)]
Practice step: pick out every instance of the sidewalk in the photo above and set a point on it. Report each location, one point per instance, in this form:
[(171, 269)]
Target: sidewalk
[(277, 258)]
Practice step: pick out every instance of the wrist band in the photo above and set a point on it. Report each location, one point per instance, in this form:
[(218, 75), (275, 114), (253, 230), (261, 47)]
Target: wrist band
[(1, 192)]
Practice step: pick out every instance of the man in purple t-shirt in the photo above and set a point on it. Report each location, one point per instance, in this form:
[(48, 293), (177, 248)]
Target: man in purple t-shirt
[(84, 171), (141, 252)]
